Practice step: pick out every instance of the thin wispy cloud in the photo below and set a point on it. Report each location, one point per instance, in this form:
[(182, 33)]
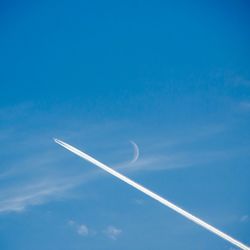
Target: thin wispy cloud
[(112, 232), (240, 80), (18, 198), (182, 159), (80, 229), (244, 106), (21, 196), (244, 218), (231, 78), (31, 157), (139, 202)]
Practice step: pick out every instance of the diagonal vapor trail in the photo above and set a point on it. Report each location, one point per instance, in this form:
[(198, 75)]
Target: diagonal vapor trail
[(153, 195)]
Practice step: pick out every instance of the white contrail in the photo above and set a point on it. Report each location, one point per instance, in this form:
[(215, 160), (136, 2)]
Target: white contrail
[(153, 195)]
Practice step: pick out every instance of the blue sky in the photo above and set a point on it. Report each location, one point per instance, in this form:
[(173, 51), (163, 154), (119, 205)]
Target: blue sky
[(173, 76)]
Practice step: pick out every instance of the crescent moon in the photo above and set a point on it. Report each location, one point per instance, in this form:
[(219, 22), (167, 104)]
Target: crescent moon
[(136, 152)]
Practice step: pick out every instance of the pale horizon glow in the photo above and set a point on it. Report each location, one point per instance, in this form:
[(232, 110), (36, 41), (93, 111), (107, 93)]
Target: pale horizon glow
[(153, 195)]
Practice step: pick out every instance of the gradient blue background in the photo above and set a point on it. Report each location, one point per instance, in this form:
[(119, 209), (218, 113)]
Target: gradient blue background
[(173, 76)]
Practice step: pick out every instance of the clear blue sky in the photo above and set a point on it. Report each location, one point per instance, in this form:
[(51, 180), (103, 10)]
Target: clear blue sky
[(173, 76)]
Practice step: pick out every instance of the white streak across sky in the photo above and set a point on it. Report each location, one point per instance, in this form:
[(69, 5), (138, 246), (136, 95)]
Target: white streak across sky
[(153, 195)]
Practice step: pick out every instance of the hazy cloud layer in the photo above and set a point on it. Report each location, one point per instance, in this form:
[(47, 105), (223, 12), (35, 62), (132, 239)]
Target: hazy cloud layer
[(38, 171)]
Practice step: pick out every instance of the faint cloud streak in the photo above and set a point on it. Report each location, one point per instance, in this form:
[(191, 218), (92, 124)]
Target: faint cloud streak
[(112, 232)]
